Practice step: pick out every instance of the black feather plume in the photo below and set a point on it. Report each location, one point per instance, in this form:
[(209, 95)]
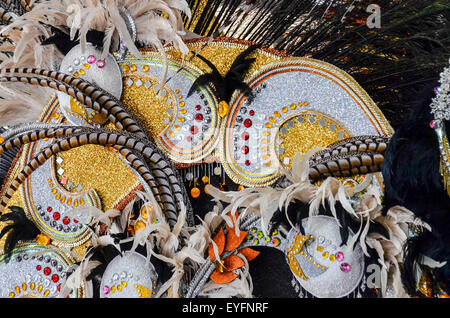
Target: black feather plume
[(22, 229), (412, 179), (224, 87), (64, 44)]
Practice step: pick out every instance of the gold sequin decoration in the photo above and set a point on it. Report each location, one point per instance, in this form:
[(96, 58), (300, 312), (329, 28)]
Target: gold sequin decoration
[(94, 167), (312, 135), (144, 103)]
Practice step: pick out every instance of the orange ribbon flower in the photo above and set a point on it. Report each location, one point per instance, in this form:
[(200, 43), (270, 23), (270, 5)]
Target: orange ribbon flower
[(224, 270)]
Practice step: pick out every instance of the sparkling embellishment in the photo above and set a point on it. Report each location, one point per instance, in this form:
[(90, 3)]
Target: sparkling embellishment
[(248, 123), (340, 256), (55, 278), (345, 267), (194, 130), (245, 150), (76, 61), (199, 117), (47, 271), (56, 216), (101, 64), (245, 135), (91, 59)]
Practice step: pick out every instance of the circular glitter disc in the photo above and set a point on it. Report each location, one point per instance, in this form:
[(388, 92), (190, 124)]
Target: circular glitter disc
[(324, 277), (128, 276), (184, 131), (284, 91)]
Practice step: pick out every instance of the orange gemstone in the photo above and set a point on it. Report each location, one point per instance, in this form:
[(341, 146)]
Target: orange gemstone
[(2, 140), (43, 239), (126, 68), (195, 193), (146, 68), (133, 68)]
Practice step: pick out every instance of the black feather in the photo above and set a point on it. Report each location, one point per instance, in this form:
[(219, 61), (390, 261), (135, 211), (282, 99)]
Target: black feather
[(61, 39), (22, 229), (224, 87), (412, 179)]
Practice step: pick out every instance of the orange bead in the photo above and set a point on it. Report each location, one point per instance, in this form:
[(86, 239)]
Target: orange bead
[(195, 193)]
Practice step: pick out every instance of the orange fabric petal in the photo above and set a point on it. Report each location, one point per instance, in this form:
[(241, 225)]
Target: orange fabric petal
[(233, 262), (234, 241), (223, 278), (219, 239), (248, 253)]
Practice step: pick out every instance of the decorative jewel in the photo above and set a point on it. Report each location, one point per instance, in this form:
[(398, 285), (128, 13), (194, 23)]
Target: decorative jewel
[(195, 192), (43, 240), (91, 59), (101, 64), (223, 108), (339, 256), (248, 123), (47, 271), (345, 267)]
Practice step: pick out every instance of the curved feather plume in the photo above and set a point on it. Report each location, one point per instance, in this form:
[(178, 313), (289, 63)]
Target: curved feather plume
[(224, 86), (21, 229)]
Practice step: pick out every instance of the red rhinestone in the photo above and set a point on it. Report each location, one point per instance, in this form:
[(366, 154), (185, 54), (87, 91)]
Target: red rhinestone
[(198, 107), (56, 216), (47, 271), (75, 221), (66, 220), (248, 123), (189, 138), (49, 209), (55, 278), (59, 287), (194, 130), (245, 135), (252, 112), (199, 117), (247, 162), (245, 150), (38, 267)]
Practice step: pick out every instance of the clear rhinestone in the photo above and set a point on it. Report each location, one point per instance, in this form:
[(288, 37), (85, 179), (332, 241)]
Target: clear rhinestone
[(332, 127), (301, 119), (59, 160), (322, 122), (341, 135), (286, 160), (129, 82), (148, 84), (138, 83), (61, 171), (312, 119)]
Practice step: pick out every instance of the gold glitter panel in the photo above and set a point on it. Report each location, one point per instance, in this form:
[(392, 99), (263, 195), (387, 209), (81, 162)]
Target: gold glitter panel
[(315, 130), (95, 167), (144, 103)]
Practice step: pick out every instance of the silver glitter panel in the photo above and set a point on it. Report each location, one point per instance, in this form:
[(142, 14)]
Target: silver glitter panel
[(23, 273), (333, 283), (130, 268), (38, 198), (280, 87), (197, 136)]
